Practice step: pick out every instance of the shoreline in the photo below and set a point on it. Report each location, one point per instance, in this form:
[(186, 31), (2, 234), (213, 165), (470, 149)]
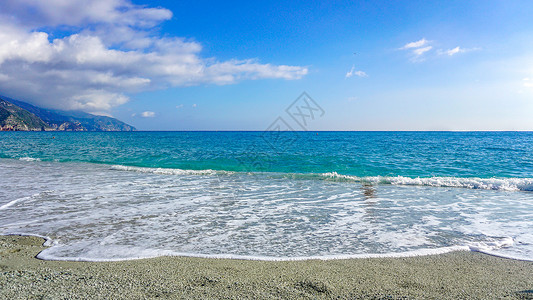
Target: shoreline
[(459, 274), (414, 253)]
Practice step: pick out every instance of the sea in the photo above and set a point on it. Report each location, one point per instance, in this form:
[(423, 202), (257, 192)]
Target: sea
[(273, 195)]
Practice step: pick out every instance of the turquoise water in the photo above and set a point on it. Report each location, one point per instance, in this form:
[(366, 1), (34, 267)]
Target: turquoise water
[(411, 154), (268, 195)]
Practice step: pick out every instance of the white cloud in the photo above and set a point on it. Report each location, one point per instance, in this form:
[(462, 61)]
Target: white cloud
[(38, 13), (101, 113), (113, 50), (420, 47), (420, 51), (527, 82), (353, 72), (97, 99), (417, 48), (456, 50), (179, 106), (194, 105), (148, 114), (416, 44)]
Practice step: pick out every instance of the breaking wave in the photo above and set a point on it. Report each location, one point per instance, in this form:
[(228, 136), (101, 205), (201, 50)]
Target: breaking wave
[(166, 171), (503, 184)]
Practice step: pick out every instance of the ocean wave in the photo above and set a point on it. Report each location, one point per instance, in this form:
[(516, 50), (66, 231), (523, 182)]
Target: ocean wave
[(168, 171), (13, 202), (29, 159), (503, 184), (22, 199)]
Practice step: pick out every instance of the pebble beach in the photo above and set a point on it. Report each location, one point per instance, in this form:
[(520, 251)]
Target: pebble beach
[(462, 274)]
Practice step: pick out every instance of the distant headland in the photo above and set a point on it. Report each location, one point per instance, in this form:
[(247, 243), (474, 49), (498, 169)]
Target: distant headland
[(20, 116)]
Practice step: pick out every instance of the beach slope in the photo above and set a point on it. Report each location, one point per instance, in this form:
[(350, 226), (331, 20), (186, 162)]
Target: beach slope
[(449, 276)]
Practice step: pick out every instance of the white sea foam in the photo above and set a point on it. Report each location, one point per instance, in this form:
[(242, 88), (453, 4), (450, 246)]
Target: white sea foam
[(29, 159), (491, 245), (96, 213), (133, 253), (504, 184), (167, 171), (22, 199), (151, 253), (483, 247), (13, 202)]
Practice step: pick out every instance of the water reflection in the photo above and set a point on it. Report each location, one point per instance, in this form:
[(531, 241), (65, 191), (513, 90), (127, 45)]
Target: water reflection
[(369, 192)]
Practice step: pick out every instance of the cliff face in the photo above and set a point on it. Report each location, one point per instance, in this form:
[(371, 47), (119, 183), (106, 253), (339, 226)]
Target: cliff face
[(20, 116), (13, 117)]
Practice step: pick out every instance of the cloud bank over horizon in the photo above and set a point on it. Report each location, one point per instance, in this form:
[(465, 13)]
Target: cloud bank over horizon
[(104, 50)]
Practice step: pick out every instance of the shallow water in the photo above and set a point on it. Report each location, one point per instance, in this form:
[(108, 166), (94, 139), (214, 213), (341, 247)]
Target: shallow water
[(99, 212)]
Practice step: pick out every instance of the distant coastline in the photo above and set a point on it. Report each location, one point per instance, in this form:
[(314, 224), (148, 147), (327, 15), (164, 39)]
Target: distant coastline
[(20, 116)]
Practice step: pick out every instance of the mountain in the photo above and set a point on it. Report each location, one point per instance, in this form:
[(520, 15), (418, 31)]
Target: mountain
[(13, 117), (22, 116)]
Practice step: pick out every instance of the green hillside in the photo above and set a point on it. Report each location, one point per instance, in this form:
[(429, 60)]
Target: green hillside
[(21, 116), (15, 118)]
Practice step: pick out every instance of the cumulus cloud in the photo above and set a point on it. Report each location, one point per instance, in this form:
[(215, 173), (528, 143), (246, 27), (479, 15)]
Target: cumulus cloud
[(110, 51), (38, 13), (148, 114), (354, 72)]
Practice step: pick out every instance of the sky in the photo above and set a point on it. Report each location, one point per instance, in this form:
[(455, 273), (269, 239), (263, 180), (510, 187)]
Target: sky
[(240, 65)]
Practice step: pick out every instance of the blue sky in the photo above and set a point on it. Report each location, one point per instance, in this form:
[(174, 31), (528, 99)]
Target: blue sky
[(205, 65)]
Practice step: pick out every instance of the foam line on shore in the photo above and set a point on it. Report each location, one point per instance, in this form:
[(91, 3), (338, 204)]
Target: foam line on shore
[(486, 248), (160, 253), (416, 253)]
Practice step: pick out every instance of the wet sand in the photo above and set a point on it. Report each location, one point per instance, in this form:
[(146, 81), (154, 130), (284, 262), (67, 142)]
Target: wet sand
[(465, 275)]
